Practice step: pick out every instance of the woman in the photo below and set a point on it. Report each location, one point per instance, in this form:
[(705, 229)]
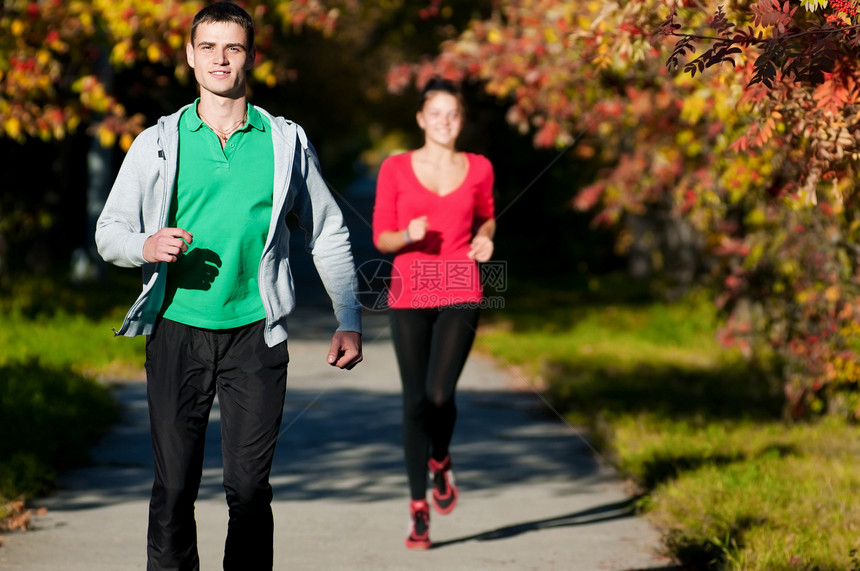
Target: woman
[(434, 210)]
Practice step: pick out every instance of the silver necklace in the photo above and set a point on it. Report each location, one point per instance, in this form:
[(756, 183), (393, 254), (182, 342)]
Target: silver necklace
[(224, 134)]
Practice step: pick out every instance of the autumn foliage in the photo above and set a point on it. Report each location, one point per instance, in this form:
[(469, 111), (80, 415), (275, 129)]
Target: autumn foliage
[(739, 119), (56, 58)]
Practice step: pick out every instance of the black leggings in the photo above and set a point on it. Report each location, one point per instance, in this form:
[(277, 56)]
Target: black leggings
[(432, 346)]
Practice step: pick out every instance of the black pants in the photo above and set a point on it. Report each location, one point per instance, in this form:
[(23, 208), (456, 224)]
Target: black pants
[(432, 346), (185, 366)]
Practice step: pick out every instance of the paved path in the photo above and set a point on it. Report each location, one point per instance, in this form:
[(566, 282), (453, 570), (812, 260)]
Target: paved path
[(532, 495)]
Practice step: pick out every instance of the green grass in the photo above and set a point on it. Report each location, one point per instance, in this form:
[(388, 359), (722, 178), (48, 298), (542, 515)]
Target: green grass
[(749, 495), (697, 428), (51, 417), (82, 344), (61, 326), (57, 351)]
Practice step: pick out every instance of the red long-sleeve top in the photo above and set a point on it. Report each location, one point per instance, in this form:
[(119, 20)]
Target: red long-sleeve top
[(435, 271)]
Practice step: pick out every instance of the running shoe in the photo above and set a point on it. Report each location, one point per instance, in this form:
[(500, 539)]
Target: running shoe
[(444, 491), (419, 534)]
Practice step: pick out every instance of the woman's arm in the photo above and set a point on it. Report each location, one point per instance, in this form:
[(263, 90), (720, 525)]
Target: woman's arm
[(481, 249), (482, 241), (391, 241)]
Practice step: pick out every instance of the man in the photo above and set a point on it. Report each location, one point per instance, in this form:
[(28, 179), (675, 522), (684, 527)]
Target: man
[(200, 202)]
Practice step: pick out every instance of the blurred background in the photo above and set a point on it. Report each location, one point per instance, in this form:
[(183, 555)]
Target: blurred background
[(82, 81)]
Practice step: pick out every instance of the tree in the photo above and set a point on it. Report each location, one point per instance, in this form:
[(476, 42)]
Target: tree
[(756, 153), (53, 56), (104, 70), (802, 86), (61, 75)]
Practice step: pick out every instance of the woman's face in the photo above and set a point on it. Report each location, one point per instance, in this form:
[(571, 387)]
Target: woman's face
[(441, 118)]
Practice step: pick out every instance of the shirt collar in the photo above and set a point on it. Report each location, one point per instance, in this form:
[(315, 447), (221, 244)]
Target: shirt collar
[(255, 120), (193, 121)]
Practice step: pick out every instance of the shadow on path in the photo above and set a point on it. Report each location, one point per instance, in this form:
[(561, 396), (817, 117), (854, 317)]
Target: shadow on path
[(608, 512), (344, 444)]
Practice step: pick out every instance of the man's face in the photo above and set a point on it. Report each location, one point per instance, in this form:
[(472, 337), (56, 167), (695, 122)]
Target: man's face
[(220, 58)]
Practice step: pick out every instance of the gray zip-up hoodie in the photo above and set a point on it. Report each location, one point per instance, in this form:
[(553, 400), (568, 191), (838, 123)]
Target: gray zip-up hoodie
[(139, 203)]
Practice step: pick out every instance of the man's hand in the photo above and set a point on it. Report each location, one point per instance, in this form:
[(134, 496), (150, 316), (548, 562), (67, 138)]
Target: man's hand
[(166, 245), (345, 351)]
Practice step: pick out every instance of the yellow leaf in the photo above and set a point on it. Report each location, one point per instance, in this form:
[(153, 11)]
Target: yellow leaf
[(43, 57), (118, 52), (755, 254), (107, 138), (153, 53), (12, 126), (175, 40), (265, 73), (756, 217), (685, 137), (694, 107), (788, 268), (125, 141)]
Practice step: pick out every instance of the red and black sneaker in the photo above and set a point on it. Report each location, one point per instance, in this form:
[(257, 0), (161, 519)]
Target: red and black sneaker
[(444, 491), (419, 534)]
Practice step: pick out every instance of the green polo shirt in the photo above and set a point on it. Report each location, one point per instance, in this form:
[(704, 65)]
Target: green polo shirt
[(224, 198)]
